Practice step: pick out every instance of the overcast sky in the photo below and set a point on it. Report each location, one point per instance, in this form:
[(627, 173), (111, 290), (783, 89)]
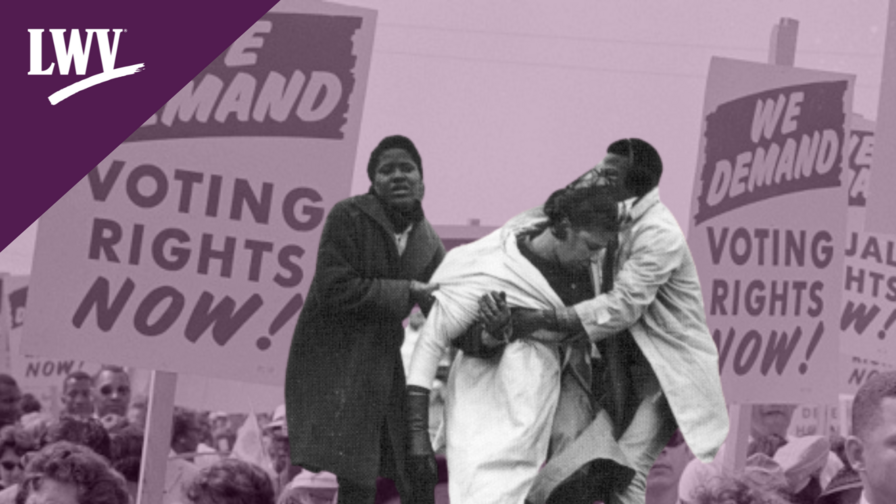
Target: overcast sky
[(508, 101)]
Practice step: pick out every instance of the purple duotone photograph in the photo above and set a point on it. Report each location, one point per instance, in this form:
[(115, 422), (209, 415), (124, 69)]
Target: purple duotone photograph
[(401, 251)]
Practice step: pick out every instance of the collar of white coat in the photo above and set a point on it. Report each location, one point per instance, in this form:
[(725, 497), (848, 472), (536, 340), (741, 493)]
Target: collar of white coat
[(635, 208)]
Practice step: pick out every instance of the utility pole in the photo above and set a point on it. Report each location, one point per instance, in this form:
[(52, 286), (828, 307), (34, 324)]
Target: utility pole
[(782, 47)]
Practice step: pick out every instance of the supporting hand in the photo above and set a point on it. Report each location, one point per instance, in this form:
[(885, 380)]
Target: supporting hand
[(495, 314), (421, 293)]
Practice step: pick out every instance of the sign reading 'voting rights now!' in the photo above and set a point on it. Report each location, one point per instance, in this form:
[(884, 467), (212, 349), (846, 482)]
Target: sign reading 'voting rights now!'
[(191, 247)]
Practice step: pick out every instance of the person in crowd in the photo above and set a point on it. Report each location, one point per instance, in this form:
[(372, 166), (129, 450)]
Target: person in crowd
[(207, 454), (185, 432), (126, 453), (180, 470), (77, 396), (15, 442), (662, 480), (87, 432), (293, 484), (844, 488), (223, 433), (264, 418), (32, 410), (871, 449), (30, 404), (345, 381), (69, 473), (231, 481), (500, 408), (769, 424), (278, 441), (136, 415), (112, 396), (10, 400)]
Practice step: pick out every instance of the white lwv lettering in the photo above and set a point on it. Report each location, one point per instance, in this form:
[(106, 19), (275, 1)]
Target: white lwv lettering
[(78, 52)]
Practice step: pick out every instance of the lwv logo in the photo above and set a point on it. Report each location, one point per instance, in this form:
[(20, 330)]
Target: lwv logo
[(79, 54)]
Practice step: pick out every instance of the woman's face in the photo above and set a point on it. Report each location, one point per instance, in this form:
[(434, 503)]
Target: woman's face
[(397, 179), (581, 246), (11, 470), (50, 491)]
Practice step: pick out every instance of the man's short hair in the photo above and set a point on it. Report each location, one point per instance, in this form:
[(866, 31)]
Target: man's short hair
[(87, 432), (866, 407), (17, 439), (77, 465), (645, 167), (5, 379), (75, 376), (231, 480), (183, 422), (111, 369)]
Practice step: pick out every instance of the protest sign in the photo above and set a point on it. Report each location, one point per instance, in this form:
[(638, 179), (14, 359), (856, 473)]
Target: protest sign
[(191, 247), (855, 371), (41, 377), (5, 366), (812, 420), (881, 204), (766, 230), (869, 283)]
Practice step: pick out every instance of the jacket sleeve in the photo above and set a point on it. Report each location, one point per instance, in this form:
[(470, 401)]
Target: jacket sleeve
[(340, 285), (430, 269), (657, 252)]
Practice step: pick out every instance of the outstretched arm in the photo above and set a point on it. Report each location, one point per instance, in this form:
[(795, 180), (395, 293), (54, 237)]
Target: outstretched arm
[(339, 278), (657, 251)]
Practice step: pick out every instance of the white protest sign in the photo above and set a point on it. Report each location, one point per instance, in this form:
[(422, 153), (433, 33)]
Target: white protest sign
[(881, 204), (869, 284), (5, 323), (854, 371), (191, 247), (767, 228), (41, 377)]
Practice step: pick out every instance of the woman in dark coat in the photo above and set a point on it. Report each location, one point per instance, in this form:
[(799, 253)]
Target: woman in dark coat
[(345, 383)]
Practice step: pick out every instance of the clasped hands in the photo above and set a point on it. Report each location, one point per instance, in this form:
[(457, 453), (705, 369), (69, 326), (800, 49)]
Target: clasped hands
[(503, 325)]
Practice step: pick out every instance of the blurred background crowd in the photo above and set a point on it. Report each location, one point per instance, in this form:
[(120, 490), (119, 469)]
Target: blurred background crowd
[(91, 452)]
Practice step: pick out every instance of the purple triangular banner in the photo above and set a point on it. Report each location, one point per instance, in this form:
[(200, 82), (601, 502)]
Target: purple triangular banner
[(161, 46)]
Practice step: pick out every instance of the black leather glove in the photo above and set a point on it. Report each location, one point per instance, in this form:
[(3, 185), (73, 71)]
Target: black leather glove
[(421, 459)]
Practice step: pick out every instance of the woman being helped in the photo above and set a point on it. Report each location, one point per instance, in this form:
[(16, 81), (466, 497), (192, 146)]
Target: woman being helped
[(499, 410)]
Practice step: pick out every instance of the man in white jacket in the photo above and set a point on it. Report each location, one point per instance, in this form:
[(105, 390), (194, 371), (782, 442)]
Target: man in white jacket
[(655, 313)]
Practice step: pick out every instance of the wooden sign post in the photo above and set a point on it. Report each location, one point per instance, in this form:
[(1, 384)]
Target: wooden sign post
[(157, 437), (881, 206)]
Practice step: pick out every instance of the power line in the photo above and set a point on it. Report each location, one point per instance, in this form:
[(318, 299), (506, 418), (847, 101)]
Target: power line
[(544, 65), (586, 68), (582, 38)]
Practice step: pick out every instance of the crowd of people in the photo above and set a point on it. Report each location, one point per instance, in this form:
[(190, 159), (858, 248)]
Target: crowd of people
[(92, 451), (581, 371)]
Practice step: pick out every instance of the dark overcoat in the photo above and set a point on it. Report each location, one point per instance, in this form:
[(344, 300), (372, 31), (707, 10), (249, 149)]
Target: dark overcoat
[(344, 379)]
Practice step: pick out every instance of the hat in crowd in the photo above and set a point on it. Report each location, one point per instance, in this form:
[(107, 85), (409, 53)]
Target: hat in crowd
[(308, 479), (765, 472), (278, 421), (847, 480), (393, 142), (801, 458), (218, 414)]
